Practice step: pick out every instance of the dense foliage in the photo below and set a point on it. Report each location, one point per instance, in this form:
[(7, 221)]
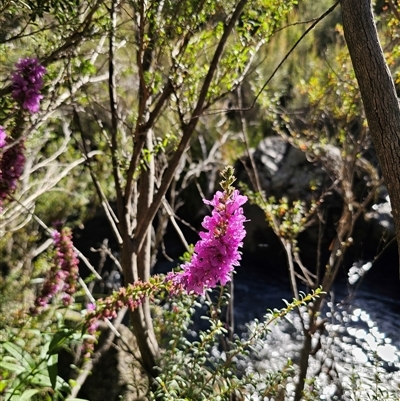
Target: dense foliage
[(125, 112)]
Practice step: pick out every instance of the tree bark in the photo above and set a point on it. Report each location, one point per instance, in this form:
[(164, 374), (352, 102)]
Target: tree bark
[(303, 365), (141, 317), (378, 94)]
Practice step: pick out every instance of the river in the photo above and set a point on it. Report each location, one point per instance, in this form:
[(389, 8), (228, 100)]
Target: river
[(359, 352)]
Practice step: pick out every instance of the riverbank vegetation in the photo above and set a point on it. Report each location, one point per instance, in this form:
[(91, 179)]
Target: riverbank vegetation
[(117, 119)]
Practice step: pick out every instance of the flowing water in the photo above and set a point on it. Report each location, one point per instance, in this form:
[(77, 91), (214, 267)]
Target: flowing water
[(358, 355)]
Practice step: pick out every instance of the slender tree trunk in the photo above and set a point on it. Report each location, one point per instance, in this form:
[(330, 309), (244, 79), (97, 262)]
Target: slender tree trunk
[(378, 94), (134, 264), (303, 365), (141, 317)]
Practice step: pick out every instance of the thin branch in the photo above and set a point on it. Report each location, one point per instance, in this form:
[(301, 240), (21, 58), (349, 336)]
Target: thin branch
[(88, 366), (50, 231), (42, 248), (107, 251), (243, 124), (46, 185), (114, 118), (307, 274), (306, 32), (112, 219), (171, 215), (93, 301), (84, 259), (394, 9)]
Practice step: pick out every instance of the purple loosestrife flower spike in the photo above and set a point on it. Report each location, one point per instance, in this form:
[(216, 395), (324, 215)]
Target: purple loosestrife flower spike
[(63, 274), (27, 82), (67, 260), (131, 296), (216, 254), (12, 162)]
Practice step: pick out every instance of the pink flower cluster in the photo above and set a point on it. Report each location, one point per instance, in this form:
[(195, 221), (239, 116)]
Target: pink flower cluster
[(216, 254), (63, 274), (3, 137), (131, 296), (27, 82), (12, 161)]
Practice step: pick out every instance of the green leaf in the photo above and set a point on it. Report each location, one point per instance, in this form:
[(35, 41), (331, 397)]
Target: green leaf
[(12, 367), (3, 385), (58, 341), (52, 368), (19, 354), (41, 379), (76, 399), (27, 394)]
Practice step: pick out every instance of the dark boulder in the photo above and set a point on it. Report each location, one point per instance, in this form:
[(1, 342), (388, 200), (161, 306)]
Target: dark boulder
[(285, 171)]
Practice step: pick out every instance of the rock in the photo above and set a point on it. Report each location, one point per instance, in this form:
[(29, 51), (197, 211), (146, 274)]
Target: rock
[(285, 171)]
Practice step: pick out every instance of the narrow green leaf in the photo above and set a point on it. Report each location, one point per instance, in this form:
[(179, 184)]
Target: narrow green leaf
[(76, 399), (27, 394), (58, 341), (12, 367), (41, 379), (52, 368), (18, 353)]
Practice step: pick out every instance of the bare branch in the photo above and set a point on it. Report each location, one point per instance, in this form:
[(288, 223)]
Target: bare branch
[(114, 118)]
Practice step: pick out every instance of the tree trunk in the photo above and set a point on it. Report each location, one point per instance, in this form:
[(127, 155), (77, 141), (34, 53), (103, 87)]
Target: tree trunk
[(141, 317), (378, 94), (303, 366)]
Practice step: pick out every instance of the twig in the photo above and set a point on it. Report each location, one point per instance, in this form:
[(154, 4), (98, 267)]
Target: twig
[(394, 9), (88, 366), (112, 219), (243, 124), (108, 252), (92, 300), (308, 30), (171, 215), (112, 89)]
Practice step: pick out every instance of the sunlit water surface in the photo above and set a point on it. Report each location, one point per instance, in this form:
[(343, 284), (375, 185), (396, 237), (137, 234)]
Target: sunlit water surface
[(358, 355)]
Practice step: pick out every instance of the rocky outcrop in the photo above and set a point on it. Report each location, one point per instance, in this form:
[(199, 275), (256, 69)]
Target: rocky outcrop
[(284, 170)]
